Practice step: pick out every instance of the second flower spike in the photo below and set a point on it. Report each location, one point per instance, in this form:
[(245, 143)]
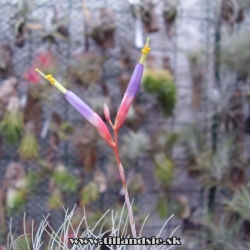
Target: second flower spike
[(132, 89), (83, 109)]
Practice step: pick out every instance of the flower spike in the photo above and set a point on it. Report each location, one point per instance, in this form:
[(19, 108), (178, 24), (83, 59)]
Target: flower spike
[(132, 89), (83, 109)]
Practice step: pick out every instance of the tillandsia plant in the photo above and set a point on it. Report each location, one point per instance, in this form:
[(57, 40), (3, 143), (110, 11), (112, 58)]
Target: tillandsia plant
[(11, 126), (95, 119), (161, 83)]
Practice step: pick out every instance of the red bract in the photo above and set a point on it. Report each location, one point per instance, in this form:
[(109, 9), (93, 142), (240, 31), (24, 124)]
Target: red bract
[(45, 60), (31, 76)]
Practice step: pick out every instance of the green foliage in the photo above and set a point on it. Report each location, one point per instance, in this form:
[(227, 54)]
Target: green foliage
[(235, 52), (65, 181), (164, 169), (213, 167), (11, 127), (15, 200), (161, 83), (134, 144), (86, 69), (240, 203), (29, 147), (179, 206), (55, 200), (221, 232), (63, 130), (161, 206), (89, 193), (33, 180), (89, 225)]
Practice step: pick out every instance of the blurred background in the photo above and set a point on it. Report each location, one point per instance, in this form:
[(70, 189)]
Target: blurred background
[(185, 143)]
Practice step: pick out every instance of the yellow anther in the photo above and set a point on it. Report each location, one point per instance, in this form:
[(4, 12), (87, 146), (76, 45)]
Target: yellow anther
[(145, 51), (52, 81)]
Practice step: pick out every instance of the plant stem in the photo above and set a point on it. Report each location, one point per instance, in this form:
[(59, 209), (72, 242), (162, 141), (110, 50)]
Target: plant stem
[(130, 212)]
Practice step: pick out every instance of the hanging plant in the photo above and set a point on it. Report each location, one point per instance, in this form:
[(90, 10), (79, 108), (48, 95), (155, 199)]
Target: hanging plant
[(6, 64), (8, 89), (179, 206), (11, 126), (29, 147), (86, 142), (164, 170), (134, 144), (63, 180), (161, 83), (197, 70), (149, 18), (55, 29), (15, 186), (103, 29), (232, 11), (89, 193), (235, 54), (33, 109), (170, 13), (86, 69), (55, 201), (23, 23)]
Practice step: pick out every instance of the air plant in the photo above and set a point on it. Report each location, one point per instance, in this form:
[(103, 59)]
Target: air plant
[(221, 232), (63, 129), (54, 29), (89, 193), (161, 83), (222, 168), (164, 170), (86, 69), (103, 29), (55, 201), (240, 203), (233, 11), (29, 148), (86, 141), (97, 122), (22, 24), (148, 15), (228, 109), (197, 70), (15, 187), (7, 89), (63, 180), (11, 126), (111, 223), (6, 64), (134, 144), (235, 54), (180, 207), (170, 13)]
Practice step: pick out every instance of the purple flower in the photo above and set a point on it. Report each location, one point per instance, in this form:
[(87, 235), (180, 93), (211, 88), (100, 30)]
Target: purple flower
[(80, 106), (132, 89)]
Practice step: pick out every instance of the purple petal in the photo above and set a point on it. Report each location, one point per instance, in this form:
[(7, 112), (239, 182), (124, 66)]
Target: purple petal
[(80, 106), (135, 81)]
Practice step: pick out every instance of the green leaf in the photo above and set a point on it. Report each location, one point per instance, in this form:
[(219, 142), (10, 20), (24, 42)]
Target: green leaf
[(164, 169), (161, 206), (89, 193), (11, 127), (29, 147), (55, 200)]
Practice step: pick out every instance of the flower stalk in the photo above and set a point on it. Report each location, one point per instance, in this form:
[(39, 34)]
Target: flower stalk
[(96, 120)]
